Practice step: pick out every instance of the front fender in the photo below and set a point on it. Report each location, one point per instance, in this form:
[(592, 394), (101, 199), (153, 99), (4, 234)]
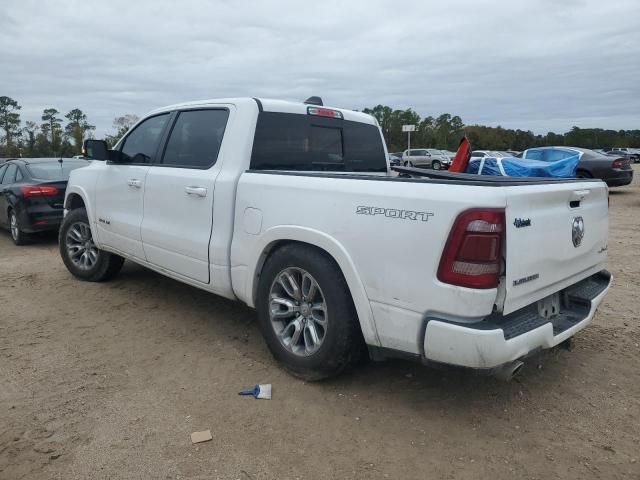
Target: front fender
[(83, 193), (329, 245)]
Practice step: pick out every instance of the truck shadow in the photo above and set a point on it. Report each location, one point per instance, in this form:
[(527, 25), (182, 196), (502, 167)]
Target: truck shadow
[(207, 318)]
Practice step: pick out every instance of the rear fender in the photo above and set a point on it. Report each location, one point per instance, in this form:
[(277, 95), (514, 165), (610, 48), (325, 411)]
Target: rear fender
[(330, 245)]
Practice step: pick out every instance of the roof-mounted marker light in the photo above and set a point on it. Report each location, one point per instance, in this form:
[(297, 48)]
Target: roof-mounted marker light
[(324, 112)]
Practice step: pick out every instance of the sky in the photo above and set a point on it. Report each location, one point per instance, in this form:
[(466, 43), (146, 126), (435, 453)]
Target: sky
[(541, 65)]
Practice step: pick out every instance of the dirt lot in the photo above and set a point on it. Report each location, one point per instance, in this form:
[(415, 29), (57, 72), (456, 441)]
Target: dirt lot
[(109, 380)]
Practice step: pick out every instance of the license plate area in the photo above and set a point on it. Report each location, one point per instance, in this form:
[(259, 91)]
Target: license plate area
[(549, 306)]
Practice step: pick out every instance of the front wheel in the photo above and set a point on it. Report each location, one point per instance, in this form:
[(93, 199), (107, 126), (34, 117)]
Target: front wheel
[(436, 165), (306, 313), (80, 254)]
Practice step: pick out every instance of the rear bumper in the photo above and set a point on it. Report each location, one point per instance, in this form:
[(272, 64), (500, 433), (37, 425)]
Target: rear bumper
[(39, 218), (497, 340), (621, 178)]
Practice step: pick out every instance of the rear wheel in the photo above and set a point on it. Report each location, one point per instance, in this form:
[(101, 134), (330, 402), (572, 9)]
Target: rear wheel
[(583, 174), (80, 254), (408, 164), (17, 235), (306, 313)]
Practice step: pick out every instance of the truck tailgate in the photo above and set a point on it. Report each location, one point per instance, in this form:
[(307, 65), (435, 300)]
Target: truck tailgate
[(556, 235)]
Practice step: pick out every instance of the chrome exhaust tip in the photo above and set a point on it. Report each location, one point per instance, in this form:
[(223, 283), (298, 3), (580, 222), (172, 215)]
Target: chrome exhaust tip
[(509, 370)]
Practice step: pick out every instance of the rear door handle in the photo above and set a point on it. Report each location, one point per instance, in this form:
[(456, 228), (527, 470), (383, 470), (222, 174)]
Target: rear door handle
[(134, 182), (197, 191)]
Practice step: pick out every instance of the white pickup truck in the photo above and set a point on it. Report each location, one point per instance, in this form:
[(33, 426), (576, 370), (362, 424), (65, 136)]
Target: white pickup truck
[(291, 208)]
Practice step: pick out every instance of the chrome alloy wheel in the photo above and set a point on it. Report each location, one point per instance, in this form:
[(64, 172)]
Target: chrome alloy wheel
[(15, 231), (83, 253), (298, 311)]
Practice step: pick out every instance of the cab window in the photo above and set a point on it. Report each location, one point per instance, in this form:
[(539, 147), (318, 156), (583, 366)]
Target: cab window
[(285, 141), (196, 138), (141, 144)]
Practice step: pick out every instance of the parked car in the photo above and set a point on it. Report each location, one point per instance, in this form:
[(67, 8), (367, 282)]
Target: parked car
[(488, 153), (448, 153), (425, 157), (631, 153), (394, 159), (32, 193), (290, 208), (615, 170)]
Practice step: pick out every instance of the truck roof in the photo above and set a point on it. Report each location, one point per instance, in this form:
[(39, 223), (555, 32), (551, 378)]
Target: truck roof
[(271, 105)]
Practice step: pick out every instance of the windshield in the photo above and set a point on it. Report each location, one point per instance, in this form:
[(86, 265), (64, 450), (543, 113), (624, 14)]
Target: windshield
[(55, 170)]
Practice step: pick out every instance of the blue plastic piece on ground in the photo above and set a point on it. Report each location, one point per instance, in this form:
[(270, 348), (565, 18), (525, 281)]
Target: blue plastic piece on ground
[(259, 391), (255, 391)]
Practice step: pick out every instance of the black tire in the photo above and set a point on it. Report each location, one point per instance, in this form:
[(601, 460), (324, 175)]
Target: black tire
[(18, 236), (583, 174), (343, 342), (106, 266), (436, 165)]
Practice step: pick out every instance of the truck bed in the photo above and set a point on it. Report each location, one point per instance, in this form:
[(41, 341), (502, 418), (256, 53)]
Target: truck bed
[(485, 180), (418, 175)]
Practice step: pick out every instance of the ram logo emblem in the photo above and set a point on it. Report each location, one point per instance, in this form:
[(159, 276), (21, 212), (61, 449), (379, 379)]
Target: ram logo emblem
[(577, 231)]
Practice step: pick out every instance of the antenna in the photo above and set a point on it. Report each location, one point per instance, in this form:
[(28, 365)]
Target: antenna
[(314, 101)]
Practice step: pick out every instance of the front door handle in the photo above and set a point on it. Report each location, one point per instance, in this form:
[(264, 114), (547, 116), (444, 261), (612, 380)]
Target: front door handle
[(134, 182), (197, 191)]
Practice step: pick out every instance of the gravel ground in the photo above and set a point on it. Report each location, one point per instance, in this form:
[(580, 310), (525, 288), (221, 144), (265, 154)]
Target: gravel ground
[(107, 381)]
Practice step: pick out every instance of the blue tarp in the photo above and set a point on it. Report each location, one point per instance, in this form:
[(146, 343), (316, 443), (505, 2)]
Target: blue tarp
[(521, 167)]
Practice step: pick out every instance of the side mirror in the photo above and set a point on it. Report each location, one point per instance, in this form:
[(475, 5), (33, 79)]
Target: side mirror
[(95, 149), (98, 150)]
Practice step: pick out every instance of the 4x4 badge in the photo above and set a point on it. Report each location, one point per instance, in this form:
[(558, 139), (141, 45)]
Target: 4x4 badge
[(577, 231)]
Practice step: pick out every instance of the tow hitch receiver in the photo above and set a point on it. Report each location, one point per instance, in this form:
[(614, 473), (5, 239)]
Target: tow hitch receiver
[(549, 306)]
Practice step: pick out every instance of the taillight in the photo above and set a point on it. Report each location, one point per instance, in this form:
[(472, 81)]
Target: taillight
[(39, 191), (473, 252), (620, 163)]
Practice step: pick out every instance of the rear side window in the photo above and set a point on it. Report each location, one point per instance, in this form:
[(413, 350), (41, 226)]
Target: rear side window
[(2, 169), (555, 154), (534, 154), (196, 138), (140, 145), (285, 141), (9, 174), (55, 170)]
